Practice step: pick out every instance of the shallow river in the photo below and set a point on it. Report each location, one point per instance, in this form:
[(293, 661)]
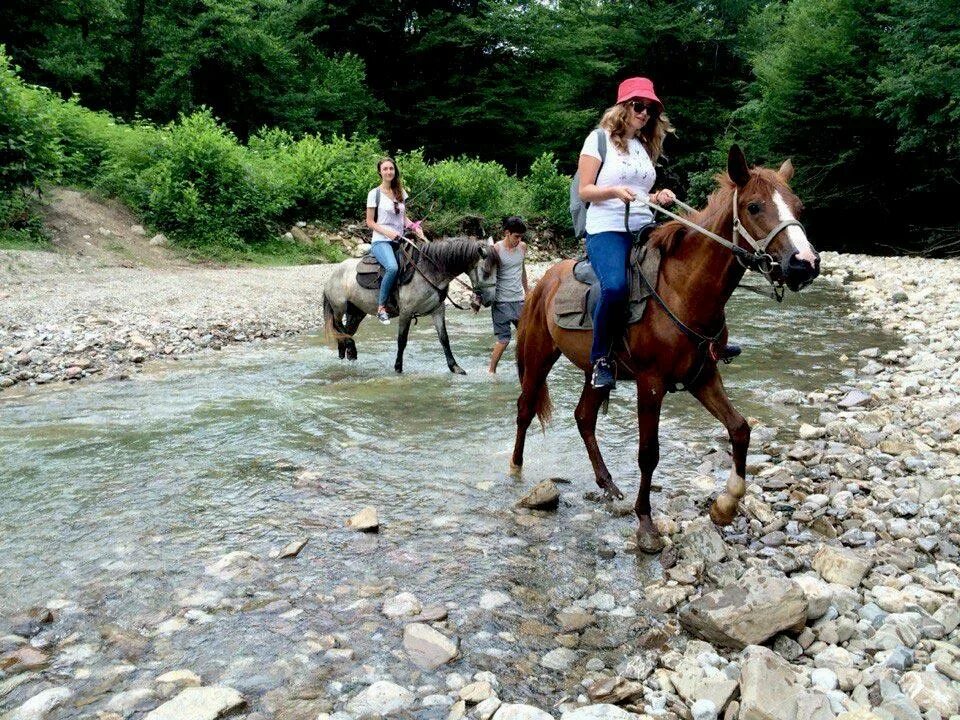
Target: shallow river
[(116, 496)]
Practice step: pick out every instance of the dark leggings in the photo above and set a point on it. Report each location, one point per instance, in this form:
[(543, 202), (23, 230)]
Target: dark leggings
[(608, 253)]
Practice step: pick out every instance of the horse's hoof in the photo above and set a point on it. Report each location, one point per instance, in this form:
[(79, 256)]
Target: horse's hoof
[(610, 490), (649, 541), (514, 468), (456, 369), (398, 370), (723, 510)]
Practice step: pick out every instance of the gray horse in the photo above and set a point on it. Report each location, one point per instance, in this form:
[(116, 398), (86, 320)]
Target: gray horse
[(346, 304)]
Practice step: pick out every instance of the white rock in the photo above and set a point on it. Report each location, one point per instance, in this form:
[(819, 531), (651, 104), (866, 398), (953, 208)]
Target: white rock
[(126, 702), (366, 520), (41, 704), (198, 703), (703, 709), (180, 677), (599, 712), (840, 565), (521, 712), (486, 709), (428, 648), (931, 691), (381, 698), (559, 659), (824, 678), (492, 599), (401, 605), (767, 686)]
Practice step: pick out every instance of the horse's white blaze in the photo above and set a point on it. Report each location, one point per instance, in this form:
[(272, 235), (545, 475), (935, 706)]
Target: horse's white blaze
[(796, 234)]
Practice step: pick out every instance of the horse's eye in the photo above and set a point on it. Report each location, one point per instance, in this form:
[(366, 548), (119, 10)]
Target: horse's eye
[(753, 208)]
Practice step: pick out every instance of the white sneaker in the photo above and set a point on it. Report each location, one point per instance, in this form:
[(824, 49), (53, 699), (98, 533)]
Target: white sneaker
[(344, 320), (383, 317)]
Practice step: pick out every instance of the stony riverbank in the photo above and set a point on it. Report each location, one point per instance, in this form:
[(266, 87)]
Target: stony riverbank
[(834, 593)]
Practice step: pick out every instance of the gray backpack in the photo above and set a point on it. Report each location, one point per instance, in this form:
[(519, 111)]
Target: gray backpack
[(578, 208)]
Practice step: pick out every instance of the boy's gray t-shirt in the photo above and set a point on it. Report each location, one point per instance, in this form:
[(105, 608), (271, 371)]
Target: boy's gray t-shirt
[(509, 273)]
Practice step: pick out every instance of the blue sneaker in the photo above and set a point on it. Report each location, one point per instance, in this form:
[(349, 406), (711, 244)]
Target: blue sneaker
[(603, 377)]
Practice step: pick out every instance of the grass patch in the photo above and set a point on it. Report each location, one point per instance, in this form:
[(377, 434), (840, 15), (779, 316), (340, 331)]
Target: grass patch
[(278, 252)]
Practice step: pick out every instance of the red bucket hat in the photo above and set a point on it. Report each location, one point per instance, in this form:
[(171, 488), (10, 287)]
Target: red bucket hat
[(637, 87)]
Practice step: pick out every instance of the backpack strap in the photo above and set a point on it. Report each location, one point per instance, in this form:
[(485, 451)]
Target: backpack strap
[(602, 149), (376, 204)]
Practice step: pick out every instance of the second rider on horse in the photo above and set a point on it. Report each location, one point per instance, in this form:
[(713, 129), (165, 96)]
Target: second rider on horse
[(386, 217)]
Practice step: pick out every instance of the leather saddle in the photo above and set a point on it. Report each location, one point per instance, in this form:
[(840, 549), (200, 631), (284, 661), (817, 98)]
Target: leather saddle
[(370, 271), (579, 293)]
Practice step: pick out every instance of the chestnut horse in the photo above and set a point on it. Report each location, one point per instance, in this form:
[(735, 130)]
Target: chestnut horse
[(676, 341)]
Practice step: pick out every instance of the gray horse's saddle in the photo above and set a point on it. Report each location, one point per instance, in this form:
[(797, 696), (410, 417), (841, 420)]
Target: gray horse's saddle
[(579, 293), (370, 271)]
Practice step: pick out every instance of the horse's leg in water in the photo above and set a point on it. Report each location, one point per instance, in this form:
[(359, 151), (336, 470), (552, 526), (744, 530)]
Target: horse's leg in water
[(353, 316), (402, 341), (536, 355), (440, 323), (586, 414), (714, 398), (649, 402)]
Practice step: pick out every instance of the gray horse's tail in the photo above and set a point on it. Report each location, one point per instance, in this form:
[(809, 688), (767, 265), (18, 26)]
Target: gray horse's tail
[(332, 330)]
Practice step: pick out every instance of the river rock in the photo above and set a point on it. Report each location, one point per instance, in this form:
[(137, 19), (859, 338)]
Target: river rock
[(746, 612), (614, 690), (199, 703), (381, 698), (428, 648), (842, 566), (543, 496), (694, 682), (559, 659), (855, 399), (931, 691), (521, 712), (40, 705), (180, 677), (366, 520), (767, 686), (293, 548), (702, 541), (476, 692), (598, 712), (403, 604), (25, 658), (125, 703), (492, 599)]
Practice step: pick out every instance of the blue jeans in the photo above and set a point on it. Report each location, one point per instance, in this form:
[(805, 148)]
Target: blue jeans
[(383, 252), (609, 252)]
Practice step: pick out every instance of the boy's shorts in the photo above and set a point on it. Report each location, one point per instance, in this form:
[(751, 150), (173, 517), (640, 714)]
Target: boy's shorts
[(504, 313)]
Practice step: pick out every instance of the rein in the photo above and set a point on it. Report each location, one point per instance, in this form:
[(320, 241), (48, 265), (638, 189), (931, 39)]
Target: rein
[(441, 292)]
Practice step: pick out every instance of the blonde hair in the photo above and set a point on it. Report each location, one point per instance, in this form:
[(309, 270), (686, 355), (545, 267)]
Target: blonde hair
[(616, 120)]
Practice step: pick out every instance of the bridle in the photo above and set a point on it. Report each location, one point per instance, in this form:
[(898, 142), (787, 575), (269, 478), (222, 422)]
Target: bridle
[(759, 260)]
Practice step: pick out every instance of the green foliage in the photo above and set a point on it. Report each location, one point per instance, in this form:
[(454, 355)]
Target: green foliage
[(549, 192)]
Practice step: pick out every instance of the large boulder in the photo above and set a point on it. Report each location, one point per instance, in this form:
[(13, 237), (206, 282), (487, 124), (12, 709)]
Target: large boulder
[(931, 691), (746, 612)]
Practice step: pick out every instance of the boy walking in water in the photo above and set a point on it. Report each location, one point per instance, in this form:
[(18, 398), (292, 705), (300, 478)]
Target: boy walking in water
[(509, 254)]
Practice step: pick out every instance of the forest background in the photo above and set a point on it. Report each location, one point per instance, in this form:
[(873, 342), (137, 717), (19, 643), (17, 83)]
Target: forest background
[(223, 121)]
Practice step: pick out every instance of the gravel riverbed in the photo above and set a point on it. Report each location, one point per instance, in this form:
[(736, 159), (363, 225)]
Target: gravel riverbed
[(833, 594)]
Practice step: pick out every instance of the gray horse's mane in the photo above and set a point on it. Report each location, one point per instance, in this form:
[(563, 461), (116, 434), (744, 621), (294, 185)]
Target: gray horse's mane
[(451, 256)]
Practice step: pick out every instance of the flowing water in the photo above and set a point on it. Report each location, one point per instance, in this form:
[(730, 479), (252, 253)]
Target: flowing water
[(116, 498)]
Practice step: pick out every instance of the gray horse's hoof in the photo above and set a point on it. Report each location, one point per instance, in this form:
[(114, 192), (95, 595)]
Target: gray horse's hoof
[(458, 370)]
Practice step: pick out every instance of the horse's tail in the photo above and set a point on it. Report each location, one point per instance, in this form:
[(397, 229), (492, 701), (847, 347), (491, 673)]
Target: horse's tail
[(331, 325), (533, 327)]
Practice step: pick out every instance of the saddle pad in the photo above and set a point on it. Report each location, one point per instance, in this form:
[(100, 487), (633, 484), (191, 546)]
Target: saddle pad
[(370, 271), (578, 294)]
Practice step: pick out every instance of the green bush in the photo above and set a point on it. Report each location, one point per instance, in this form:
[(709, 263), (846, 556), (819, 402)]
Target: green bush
[(549, 193), (205, 190)]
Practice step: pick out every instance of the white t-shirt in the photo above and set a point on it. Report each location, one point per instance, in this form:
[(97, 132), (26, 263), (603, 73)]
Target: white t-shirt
[(387, 216), (632, 169)]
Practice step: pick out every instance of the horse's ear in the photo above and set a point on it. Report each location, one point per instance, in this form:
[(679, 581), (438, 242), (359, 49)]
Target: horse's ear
[(483, 250), (737, 166), (786, 170)]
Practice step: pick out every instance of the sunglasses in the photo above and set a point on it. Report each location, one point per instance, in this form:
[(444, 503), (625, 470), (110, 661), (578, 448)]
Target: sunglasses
[(639, 106), (396, 206)]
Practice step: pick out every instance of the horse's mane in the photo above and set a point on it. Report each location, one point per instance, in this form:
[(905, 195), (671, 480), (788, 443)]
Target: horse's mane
[(451, 254), (714, 216)]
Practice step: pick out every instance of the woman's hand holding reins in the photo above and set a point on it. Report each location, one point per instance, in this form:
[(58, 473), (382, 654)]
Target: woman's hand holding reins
[(622, 192), (663, 197)]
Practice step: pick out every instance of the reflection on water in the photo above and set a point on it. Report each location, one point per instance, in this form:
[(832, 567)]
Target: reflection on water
[(120, 493)]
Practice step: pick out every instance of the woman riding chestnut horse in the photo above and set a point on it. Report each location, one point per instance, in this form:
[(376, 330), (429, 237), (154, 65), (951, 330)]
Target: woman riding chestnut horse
[(680, 337)]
